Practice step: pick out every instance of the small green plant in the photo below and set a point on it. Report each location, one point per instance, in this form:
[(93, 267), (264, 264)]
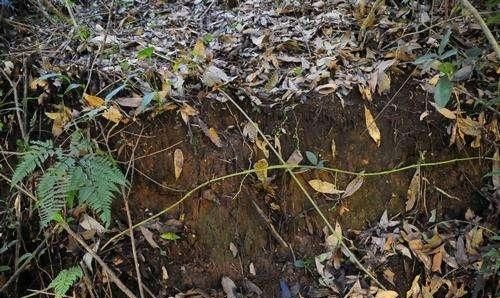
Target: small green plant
[(314, 160), (64, 280), (146, 53), (444, 86), (81, 172)]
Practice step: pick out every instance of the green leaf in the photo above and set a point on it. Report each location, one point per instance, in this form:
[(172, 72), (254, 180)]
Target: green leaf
[(65, 279), (425, 59), (115, 91), (448, 54), (312, 158), (170, 236), (146, 53), (4, 268), (442, 92), (447, 68)]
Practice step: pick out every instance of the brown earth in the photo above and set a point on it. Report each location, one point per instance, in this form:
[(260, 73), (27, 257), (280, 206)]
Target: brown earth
[(223, 212)]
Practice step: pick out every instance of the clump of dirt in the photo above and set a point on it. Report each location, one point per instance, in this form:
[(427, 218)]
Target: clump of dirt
[(222, 213)]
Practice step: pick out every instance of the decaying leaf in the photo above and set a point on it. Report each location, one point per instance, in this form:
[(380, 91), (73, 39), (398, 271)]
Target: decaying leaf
[(262, 145), (199, 48), (295, 158), (61, 118), (495, 177), (334, 149), (214, 76), (89, 223), (93, 101), (187, 111), (353, 186), (113, 114), (251, 269), (372, 127), (413, 190), (214, 137), (250, 131), (260, 168), (469, 127), (324, 187), (148, 235), (389, 275), (178, 162), (414, 291), (229, 287), (332, 242), (233, 249), (386, 294)]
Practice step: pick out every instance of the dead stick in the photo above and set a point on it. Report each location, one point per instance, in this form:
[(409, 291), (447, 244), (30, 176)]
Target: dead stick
[(270, 225), (104, 266), (20, 119), (483, 25)]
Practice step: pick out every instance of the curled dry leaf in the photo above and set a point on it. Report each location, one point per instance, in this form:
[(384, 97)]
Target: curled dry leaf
[(260, 168), (178, 162), (61, 118), (113, 115), (372, 127), (413, 190), (93, 101), (324, 187), (187, 111)]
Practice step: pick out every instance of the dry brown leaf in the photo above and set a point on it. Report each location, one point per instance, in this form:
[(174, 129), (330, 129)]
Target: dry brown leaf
[(386, 294), (334, 149), (262, 145), (414, 291), (260, 168), (413, 190), (384, 83), (469, 127), (366, 92), (372, 127), (353, 186), (324, 187), (295, 158), (149, 237), (61, 118), (113, 115), (437, 260), (178, 162), (187, 111), (93, 101), (389, 276), (214, 137)]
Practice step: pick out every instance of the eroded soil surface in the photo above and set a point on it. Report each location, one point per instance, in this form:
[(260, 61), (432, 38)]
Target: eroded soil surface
[(223, 213)]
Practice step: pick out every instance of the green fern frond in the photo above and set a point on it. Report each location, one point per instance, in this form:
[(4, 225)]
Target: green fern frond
[(52, 190), (65, 279), (104, 179), (35, 157)]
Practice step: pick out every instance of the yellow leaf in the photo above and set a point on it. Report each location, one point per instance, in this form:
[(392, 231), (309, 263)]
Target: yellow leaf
[(113, 115), (214, 137), (262, 145), (386, 294), (199, 49), (469, 126), (447, 113), (93, 101), (61, 118), (372, 127), (324, 187), (178, 162), (261, 170), (413, 190)]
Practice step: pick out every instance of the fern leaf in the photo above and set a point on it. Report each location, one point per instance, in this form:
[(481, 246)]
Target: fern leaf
[(65, 279), (38, 153), (104, 179), (52, 190)]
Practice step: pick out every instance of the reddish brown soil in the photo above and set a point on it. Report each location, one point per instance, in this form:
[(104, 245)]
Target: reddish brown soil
[(220, 214)]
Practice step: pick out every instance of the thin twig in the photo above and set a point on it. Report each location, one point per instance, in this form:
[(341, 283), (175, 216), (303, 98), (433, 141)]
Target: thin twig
[(111, 274), (20, 119), (270, 226)]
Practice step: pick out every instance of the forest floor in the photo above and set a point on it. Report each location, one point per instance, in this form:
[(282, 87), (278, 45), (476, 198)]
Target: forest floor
[(272, 149)]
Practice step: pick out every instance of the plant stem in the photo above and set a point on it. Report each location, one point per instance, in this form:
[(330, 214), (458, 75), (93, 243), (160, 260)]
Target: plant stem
[(484, 27)]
